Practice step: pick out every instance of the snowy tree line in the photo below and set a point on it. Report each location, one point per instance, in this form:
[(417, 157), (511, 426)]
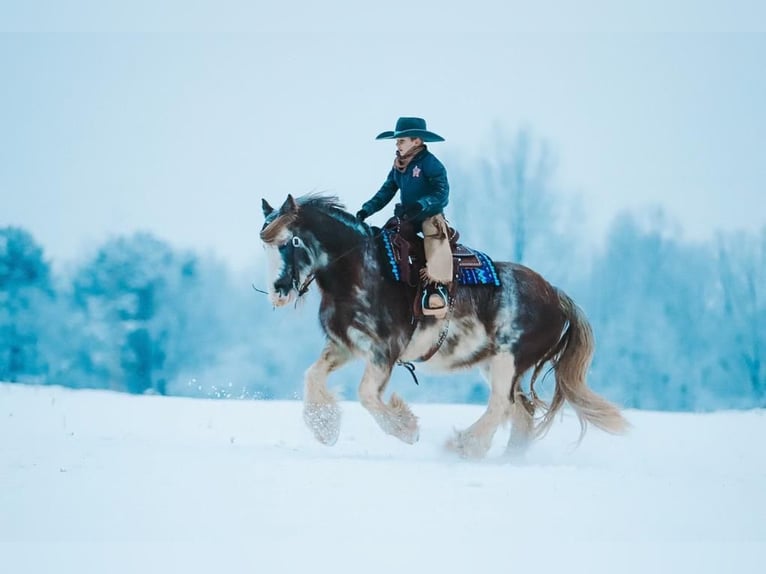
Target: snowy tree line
[(678, 324)]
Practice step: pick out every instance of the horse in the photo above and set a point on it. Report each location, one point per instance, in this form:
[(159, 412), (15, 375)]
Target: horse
[(505, 331)]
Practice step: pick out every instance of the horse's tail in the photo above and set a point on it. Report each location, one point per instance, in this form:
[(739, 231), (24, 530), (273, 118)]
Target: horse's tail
[(571, 357)]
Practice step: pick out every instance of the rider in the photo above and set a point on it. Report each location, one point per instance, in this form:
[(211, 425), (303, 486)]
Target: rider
[(424, 191)]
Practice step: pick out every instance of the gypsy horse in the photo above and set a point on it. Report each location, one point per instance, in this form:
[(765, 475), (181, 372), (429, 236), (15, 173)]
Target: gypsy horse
[(506, 330)]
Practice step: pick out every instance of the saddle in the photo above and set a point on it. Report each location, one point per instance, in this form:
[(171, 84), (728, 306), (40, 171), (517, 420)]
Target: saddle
[(406, 255), (410, 257)]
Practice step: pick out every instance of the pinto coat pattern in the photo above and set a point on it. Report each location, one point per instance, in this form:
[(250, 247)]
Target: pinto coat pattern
[(505, 331)]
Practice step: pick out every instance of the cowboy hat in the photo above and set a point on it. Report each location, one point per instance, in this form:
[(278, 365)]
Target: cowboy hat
[(410, 128)]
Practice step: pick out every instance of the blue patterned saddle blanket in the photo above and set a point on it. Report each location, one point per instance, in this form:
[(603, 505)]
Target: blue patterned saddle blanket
[(406, 258)]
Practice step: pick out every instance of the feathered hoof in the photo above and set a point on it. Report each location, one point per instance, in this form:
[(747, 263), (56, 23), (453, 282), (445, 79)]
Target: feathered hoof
[(401, 422), (467, 445), (404, 428), (410, 436), (324, 421)]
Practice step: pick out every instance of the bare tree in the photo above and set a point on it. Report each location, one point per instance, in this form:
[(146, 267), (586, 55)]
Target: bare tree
[(521, 172), (505, 202), (742, 280)]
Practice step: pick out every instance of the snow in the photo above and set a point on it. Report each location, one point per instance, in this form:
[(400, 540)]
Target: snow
[(92, 481)]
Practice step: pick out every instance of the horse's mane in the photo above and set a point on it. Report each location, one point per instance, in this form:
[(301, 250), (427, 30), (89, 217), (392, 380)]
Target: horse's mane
[(321, 201), (328, 205), (331, 205)]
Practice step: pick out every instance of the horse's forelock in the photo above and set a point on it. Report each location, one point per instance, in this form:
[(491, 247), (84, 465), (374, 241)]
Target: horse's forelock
[(277, 230)]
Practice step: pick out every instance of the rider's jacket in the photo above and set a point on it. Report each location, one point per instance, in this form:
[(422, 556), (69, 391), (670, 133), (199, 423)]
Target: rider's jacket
[(424, 182)]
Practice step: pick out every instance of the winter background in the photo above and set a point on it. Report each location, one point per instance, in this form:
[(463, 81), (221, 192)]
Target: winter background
[(618, 150)]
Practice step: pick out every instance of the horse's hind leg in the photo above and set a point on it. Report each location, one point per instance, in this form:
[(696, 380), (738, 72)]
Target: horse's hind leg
[(522, 424), (474, 442), (395, 418), (320, 408)]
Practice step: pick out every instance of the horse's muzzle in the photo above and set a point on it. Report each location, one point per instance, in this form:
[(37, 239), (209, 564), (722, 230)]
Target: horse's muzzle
[(281, 297)]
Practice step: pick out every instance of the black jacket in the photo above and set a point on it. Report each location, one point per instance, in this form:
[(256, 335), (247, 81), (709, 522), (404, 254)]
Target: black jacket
[(424, 182)]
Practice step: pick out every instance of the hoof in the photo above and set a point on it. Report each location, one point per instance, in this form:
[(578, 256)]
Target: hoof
[(516, 451), (404, 428), (402, 423), (467, 445), (324, 421), (410, 436)]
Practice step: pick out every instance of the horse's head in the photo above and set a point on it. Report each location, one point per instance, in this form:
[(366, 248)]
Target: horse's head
[(291, 260)]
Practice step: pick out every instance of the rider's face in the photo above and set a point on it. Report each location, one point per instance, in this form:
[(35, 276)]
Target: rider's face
[(403, 145)]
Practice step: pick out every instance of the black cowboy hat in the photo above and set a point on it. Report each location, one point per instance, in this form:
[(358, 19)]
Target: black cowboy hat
[(411, 128)]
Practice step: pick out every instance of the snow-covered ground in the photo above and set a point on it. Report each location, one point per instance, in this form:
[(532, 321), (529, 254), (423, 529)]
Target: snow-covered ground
[(109, 483)]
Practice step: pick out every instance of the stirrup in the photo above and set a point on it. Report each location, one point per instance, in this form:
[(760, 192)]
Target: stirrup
[(435, 298)]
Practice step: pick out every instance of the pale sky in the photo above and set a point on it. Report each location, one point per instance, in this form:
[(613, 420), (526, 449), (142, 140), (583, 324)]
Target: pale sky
[(178, 118)]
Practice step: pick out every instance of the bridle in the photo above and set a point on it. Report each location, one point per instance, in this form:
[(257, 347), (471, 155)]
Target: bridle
[(297, 242), (301, 288)]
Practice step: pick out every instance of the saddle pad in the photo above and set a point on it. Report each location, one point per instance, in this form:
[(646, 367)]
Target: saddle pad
[(485, 274)]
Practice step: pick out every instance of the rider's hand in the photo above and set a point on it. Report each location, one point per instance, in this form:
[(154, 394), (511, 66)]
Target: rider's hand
[(412, 211)]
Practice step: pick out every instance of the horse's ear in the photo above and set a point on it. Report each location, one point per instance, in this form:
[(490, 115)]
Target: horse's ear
[(289, 206), (267, 209)]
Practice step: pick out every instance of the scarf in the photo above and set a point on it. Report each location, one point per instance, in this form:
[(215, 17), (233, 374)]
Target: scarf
[(402, 161)]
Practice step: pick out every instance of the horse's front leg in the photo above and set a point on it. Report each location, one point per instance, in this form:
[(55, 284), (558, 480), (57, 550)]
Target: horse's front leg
[(395, 418), (320, 407)]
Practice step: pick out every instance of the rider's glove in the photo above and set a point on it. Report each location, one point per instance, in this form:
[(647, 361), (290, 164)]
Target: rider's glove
[(412, 211)]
